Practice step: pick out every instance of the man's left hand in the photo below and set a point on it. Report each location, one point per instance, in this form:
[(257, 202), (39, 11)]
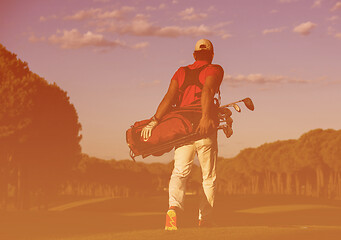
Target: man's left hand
[(206, 125), (147, 130)]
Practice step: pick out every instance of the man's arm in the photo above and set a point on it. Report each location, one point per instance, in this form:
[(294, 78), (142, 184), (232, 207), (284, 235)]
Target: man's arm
[(162, 109), (168, 100), (206, 123)]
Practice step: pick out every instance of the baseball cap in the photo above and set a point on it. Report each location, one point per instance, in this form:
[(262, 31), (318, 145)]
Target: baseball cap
[(203, 44)]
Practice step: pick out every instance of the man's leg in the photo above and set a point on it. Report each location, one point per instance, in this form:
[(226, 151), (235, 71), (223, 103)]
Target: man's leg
[(183, 160), (207, 154)]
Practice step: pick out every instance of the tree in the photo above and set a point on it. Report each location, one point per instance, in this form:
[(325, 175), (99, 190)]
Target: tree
[(331, 154), (39, 129), (309, 151)]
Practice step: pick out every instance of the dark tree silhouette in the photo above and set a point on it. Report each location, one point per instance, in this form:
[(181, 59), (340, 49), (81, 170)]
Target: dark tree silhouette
[(39, 130), (310, 166)]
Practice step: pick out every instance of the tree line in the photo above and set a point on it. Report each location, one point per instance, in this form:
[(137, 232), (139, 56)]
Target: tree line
[(310, 166), (41, 159)]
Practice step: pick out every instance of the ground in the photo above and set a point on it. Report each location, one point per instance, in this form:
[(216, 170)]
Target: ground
[(237, 217)]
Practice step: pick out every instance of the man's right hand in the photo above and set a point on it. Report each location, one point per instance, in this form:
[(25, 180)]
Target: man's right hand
[(147, 130)]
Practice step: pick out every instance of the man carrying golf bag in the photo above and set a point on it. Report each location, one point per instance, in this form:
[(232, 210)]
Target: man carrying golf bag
[(193, 85)]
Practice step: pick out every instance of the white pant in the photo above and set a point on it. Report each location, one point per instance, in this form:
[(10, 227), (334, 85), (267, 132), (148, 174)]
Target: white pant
[(207, 151)]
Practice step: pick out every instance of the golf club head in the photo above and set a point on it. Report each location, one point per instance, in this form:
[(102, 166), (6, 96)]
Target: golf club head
[(236, 107), (248, 103), (225, 111), (227, 130)]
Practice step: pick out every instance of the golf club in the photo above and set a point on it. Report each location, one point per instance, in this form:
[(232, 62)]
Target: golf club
[(236, 107), (247, 101)]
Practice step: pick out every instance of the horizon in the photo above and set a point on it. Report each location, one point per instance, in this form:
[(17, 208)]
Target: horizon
[(115, 59)]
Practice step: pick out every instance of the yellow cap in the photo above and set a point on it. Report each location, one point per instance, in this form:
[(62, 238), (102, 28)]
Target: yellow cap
[(203, 44)]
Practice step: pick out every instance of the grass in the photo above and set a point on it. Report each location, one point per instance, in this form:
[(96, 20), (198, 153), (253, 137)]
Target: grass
[(237, 217), (230, 233), (285, 208)]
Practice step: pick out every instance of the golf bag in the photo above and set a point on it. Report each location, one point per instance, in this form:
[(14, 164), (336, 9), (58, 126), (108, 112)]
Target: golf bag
[(176, 124), (178, 127), (175, 128)]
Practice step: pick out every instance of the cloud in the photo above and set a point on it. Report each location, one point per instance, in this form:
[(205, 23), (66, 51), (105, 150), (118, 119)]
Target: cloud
[(189, 14), (98, 13), (304, 28), (150, 8), (115, 13), (176, 31), (73, 39), (225, 36), (317, 3), (44, 19), (83, 14), (140, 45), (259, 79), (160, 7), (141, 26), (333, 18), (35, 39), (118, 21), (212, 8), (273, 11), (333, 32), (273, 30), (337, 6)]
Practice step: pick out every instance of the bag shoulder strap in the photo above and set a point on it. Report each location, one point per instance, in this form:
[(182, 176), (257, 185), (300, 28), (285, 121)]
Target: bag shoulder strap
[(191, 78)]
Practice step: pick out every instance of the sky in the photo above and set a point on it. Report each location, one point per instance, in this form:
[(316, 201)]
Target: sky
[(115, 59)]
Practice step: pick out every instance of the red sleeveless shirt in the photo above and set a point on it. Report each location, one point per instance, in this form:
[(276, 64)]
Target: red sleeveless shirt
[(192, 94)]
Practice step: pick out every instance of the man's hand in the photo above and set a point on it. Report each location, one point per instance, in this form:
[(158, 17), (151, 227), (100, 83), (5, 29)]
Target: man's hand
[(206, 125), (147, 130)]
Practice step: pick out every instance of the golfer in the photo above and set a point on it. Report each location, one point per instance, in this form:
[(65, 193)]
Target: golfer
[(193, 85)]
